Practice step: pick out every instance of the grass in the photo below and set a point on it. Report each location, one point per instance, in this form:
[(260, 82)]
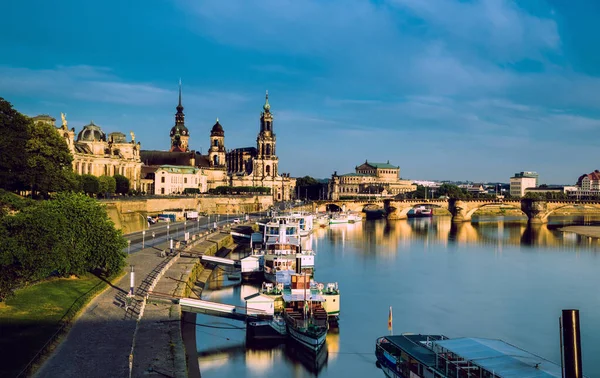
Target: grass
[(32, 316)]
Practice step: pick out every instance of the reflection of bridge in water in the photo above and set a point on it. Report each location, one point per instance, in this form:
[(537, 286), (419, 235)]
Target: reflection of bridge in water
[(462, 210), (441, 230)]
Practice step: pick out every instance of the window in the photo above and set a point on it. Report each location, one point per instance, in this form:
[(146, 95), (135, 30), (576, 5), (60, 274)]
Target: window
[(268, 149), (185, 180), (162, 190), (268, 170), (216, 143), (162, 179)]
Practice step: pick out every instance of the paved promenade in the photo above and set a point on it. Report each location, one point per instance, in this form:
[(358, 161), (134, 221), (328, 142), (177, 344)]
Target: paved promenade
[(100, 341)]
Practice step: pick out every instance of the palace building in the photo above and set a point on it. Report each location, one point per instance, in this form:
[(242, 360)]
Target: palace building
[(247, 166), (97, 154), (369, 180)]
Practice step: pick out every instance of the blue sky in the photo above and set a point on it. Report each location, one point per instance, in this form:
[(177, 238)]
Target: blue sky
[(447, 89)]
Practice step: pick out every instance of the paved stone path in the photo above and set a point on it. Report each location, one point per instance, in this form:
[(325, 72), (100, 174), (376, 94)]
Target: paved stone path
[(99, 342)]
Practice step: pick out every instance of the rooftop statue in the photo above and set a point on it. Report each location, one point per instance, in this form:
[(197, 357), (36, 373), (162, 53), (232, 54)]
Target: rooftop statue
[(64, 119)]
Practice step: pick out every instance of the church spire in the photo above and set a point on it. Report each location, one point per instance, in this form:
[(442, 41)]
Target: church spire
[(267, 107), (179, 117)]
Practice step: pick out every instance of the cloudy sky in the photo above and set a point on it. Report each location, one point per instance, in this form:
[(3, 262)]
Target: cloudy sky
[(447, 89)]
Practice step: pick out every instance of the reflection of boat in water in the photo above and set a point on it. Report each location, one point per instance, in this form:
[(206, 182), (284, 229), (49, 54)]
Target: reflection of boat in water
[(420, 212), (313, 362)]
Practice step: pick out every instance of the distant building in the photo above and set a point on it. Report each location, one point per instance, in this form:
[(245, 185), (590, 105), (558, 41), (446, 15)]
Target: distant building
[(170, 179), (588, 185), (552, 189), (521, 181), (369, 179), (97, 154)]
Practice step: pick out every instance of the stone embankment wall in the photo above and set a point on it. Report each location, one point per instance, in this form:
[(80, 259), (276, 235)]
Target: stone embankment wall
[(159, 345), (129, 214)]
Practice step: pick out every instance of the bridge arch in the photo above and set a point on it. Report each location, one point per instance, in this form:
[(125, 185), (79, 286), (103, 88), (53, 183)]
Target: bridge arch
[(471, 212)]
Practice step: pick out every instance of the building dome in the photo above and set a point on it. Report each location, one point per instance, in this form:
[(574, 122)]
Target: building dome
[(180, 129), (90, 133), (117, 137), (217, 129)]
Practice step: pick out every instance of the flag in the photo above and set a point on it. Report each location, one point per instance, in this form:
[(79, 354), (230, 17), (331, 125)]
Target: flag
[(390, 320)]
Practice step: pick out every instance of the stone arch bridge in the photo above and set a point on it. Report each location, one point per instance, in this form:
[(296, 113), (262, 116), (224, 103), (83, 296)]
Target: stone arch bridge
[(462, 210)]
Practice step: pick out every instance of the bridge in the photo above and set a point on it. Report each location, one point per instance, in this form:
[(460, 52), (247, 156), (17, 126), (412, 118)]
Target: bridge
[(200, 306), (462, 210)]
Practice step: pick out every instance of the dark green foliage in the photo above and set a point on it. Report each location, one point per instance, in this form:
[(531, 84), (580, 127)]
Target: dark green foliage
[(240, 190), (107, 185), (48, 159), (122, 183), (191, 191), (33, 156), (14, 128), (69, 234), (89, 184), (306, 181)]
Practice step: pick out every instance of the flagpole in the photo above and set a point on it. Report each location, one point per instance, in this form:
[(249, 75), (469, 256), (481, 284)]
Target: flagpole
[(391, 323)]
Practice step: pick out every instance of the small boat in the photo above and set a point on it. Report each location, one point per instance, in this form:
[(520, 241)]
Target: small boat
[(420, 212), (340, 218), (354, 218)]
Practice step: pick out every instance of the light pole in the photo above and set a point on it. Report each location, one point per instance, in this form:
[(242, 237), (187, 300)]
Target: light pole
[(144, 224), (153, 235), (128, 247), (167, 231)]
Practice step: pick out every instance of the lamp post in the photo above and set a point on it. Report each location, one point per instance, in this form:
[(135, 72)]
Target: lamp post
[(128, 247), (167, 231), (144, 224)]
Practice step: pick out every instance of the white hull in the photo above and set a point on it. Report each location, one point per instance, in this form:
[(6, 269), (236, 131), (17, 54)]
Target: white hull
[(311, 343)]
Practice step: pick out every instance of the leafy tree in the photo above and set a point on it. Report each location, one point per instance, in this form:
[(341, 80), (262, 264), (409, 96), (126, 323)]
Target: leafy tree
[(34, 156), (13, 140), (89, 184), (107, 185), (452, 191), (306, 181), (48, 159), (122, 184)]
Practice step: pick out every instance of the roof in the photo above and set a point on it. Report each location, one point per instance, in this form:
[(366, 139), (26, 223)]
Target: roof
[(382, 165), (297, 297), (154, 157), (251, 150), (259, 296), (179, 169), (504, 359), (412, 344), (217, 129)]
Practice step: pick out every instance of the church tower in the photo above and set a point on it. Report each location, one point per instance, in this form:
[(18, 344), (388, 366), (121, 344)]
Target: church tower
[(266, 163), (216, 152), (179, 133)]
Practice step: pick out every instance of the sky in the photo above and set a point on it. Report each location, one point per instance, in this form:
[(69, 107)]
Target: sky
[(446, 89)]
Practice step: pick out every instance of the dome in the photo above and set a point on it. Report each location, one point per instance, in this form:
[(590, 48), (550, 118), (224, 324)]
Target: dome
[(91, 133), (217, 129), (117, 137), (180, 129)]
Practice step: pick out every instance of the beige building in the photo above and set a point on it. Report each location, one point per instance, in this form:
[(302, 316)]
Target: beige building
[(250, 166), (369, 179), (96, 154), (173, 179), (521, 181)]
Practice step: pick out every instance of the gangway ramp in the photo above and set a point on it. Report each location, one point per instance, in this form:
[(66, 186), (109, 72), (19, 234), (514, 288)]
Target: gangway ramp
[(221, 261), (223, 310)]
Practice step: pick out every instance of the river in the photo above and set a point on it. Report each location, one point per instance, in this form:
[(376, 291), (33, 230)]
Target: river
[(494, 278)]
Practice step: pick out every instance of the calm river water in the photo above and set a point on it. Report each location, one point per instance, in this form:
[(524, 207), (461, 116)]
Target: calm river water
[(493, 278)]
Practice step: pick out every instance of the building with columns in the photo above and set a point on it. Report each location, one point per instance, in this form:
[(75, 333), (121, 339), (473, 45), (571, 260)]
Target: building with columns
[(369, 180), (97, 154)]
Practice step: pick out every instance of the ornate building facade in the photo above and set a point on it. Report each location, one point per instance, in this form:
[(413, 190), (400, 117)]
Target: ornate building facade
[(369, 180), (97, 154), (259, 166), (249, 166)]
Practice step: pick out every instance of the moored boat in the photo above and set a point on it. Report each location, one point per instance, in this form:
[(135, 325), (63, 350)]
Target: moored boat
[(437, 356), (420, 212)]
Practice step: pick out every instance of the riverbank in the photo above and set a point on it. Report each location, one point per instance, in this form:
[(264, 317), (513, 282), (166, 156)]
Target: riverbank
[(590, 231), (165, 342)]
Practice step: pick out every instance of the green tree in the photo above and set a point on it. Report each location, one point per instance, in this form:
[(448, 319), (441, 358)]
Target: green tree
[(122, 184), (13, 140), (89, 184), (306, 181), (49, 161), (107, 185), (452, 191)]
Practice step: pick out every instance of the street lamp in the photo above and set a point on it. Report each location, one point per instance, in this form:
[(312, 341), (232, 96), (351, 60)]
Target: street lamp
[(167, 231), (144, 223), (128, 246)]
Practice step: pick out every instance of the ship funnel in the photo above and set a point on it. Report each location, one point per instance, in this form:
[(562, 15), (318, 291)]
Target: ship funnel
[(571, 344)]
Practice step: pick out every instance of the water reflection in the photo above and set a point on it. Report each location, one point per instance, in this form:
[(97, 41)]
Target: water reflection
[(498, 232), (494, 277)]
